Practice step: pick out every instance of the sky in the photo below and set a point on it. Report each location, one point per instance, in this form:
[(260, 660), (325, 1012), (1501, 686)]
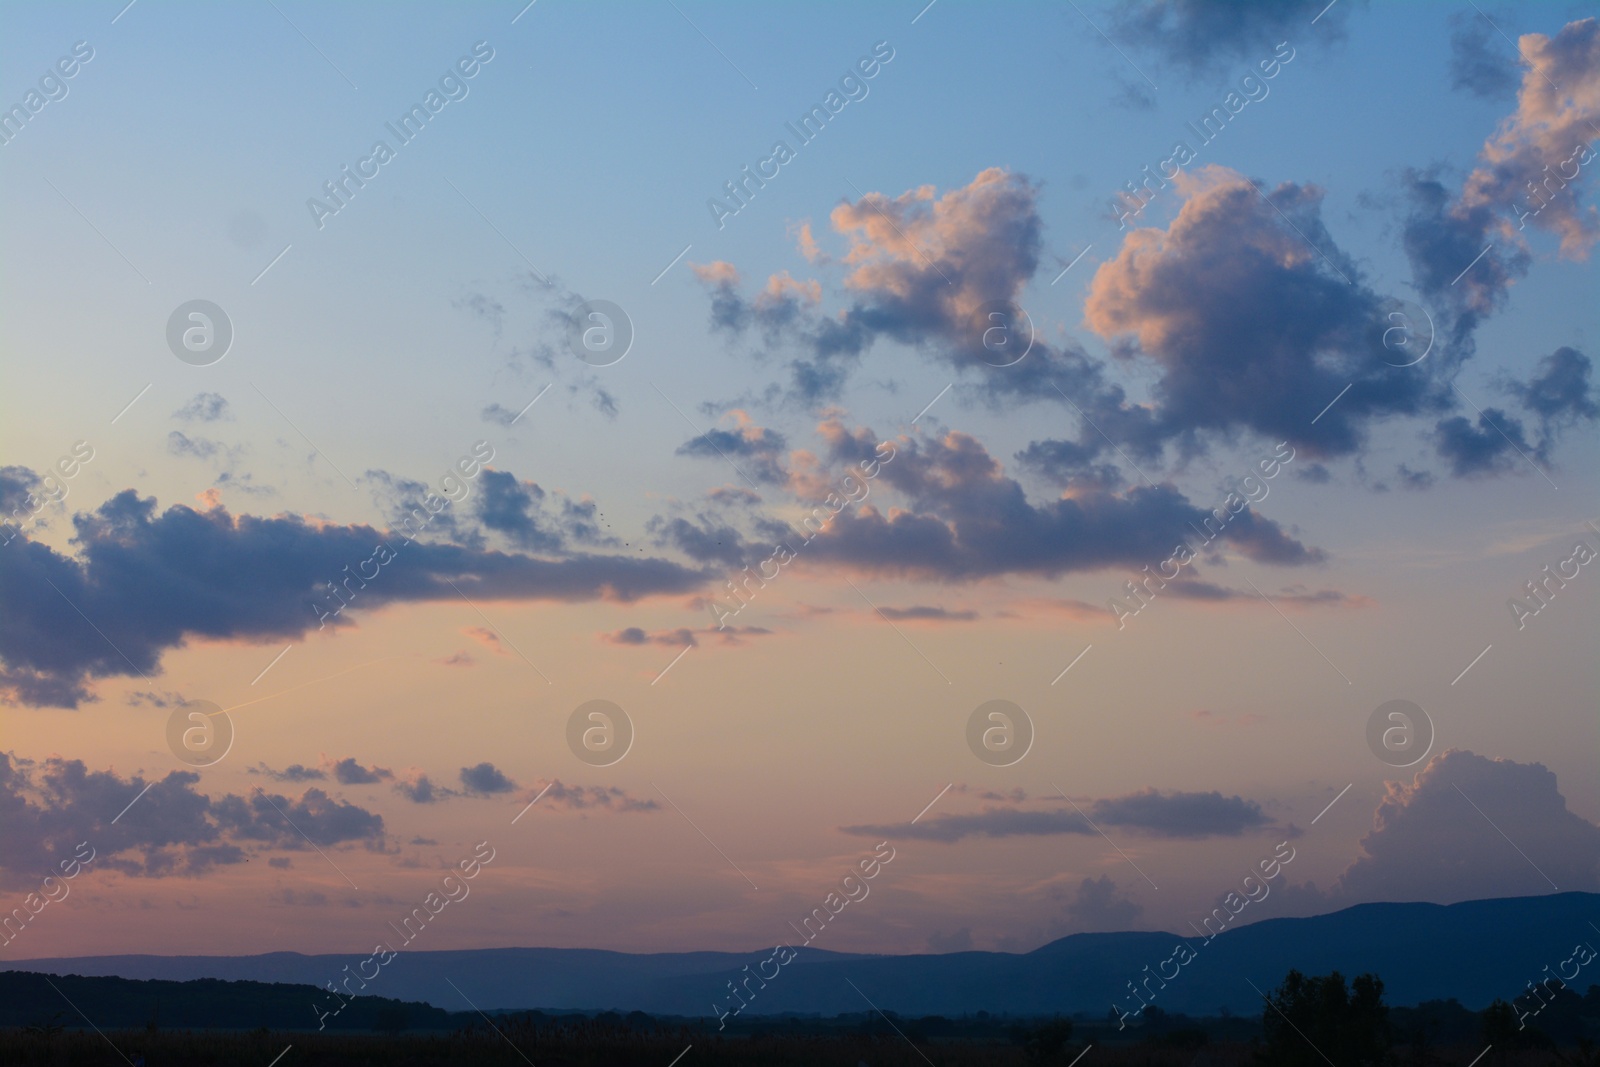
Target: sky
[(386, 386)]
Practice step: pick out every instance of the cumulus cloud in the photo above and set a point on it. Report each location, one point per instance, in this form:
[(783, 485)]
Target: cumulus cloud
[(1561, 393), (1099, 906), (1467, 250), (72, 619), (1149, 812), (486, 779), (47, 808), (348, 772), (1447, 836), (1253, 322)]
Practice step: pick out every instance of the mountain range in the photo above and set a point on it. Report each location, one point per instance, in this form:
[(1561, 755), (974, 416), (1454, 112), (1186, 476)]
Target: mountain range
[(1474, 952)]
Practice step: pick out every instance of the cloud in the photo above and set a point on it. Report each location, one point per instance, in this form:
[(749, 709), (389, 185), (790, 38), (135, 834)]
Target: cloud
[(1478, 62), (155, 828), (1254, 320), (1466, 251), (348, 772), (1209, 36), (1561, 393), (419, 789), (1169, 815), (1490, 446), (968, 521), (558, 795), (487, 638), (204, 407), (1098, 905), (485, 779), (292, 773), (682, 636), (143, 583), (1447, 836), (463, 658), (926, 613), (960, 941), (759, 449)]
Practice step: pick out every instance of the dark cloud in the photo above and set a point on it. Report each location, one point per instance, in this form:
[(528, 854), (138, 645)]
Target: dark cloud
[(1492, 445), (1212, 36), (1171, 815), (1447, 836), (419, 789), (204, 407), (683, 636), (967, 520), (510, 507), (348, 772), (293, 773), (1479, 62), (1561, 393), (1099, 906), (586, 798), (486, 779), (154, 828), (754, 450), (926, 613), (144, 582)]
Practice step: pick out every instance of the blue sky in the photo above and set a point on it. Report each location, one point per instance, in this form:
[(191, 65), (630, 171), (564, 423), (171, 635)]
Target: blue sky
[(179, 164)]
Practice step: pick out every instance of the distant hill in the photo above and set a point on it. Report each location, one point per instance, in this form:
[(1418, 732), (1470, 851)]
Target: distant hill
[(1474, 952), (28, 999)]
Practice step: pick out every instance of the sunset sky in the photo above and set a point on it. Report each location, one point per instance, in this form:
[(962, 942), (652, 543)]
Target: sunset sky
[(1244, 329)]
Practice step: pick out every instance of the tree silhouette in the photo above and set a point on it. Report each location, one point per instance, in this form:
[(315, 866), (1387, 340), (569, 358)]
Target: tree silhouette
[(1311, 1021)]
